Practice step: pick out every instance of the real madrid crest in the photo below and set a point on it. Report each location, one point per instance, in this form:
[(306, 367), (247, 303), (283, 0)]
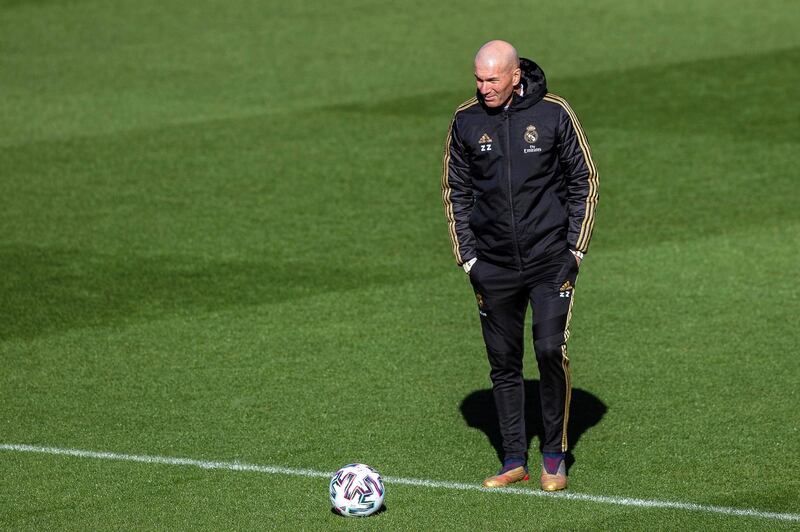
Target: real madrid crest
[(531, 135)]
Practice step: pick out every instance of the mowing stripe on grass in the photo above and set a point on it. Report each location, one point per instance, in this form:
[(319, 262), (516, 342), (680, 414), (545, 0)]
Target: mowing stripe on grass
[(277, 470)]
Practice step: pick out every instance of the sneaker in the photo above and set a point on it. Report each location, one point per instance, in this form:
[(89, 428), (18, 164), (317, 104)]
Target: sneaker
[(504, 478), (554, 481)]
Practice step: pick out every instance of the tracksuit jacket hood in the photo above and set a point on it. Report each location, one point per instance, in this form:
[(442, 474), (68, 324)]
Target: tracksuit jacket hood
[(533, 82), (519, 184)]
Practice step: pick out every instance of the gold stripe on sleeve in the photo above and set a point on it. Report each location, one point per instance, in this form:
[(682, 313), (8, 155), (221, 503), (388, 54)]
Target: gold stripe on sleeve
[(591, 198), (446, 190)]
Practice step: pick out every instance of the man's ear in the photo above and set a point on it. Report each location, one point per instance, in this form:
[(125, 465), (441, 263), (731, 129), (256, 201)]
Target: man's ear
[(517, 76)]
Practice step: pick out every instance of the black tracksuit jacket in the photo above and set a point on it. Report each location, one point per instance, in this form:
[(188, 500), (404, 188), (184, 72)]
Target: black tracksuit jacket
[(519, 184)]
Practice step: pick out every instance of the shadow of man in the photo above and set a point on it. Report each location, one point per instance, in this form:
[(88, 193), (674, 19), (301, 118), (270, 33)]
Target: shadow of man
[(586, 411)]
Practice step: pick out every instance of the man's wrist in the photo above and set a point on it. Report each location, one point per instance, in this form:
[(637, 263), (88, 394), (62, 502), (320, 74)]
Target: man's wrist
[(468, 265), (577, 253)]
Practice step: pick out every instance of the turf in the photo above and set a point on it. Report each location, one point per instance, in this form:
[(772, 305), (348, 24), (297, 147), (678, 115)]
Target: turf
[(223, 240)]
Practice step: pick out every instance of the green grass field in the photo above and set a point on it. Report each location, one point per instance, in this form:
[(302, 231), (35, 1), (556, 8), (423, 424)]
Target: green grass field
[(223, 239)]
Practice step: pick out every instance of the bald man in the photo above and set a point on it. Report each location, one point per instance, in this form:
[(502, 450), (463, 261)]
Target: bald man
[(520, 192)]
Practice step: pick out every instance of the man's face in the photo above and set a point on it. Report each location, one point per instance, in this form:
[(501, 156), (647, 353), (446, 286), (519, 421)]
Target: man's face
[(496, 82)]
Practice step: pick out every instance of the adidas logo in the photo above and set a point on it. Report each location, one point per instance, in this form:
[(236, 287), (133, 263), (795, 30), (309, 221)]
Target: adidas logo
[(565, 290), (485, 139)]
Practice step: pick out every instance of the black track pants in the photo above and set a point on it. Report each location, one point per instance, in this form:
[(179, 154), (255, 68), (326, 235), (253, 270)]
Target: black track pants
[(503, 296)]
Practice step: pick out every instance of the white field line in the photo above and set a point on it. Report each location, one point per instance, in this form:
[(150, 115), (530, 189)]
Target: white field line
[(277, 470)]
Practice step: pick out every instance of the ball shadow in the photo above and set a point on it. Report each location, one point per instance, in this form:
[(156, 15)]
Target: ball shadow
[(586, 411), (377, 512)]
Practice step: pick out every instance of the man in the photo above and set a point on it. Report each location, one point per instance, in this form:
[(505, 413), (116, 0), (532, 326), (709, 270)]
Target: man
[(520, 190)]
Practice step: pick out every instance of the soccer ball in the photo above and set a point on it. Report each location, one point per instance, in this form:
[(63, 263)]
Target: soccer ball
[(356, 491)]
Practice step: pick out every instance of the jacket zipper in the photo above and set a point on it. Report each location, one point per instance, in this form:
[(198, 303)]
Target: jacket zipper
[(510, 194)]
